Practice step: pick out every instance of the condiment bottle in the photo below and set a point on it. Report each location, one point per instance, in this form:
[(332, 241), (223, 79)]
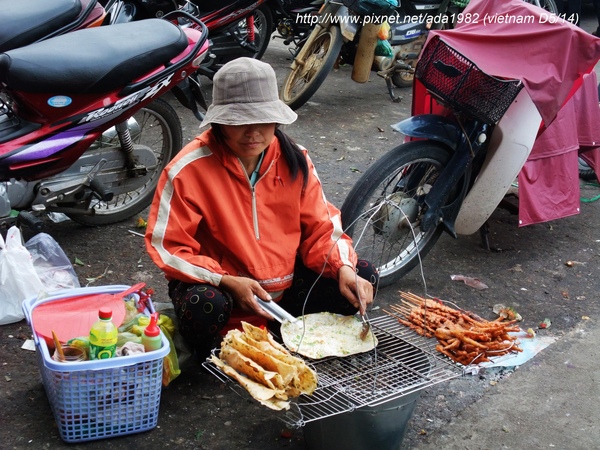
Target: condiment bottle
[(151, 338), (103, 336)]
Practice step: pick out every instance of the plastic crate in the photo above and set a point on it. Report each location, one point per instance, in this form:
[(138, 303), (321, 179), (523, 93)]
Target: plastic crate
[(459, 83), (102, 398)]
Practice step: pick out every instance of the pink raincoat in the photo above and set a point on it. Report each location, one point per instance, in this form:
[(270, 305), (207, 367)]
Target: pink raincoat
[(516, 40)]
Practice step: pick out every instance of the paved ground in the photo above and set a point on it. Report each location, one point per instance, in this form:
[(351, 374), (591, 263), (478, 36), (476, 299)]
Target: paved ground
[(549, 402)]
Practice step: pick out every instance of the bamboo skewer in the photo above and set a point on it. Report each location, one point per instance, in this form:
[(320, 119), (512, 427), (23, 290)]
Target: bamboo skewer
[(58, 346), (462, 336)]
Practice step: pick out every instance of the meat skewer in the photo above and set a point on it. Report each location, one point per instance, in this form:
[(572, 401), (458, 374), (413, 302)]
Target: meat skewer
[(462, 336)]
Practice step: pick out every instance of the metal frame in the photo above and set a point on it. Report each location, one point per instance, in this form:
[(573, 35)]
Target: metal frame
[(402, 363)]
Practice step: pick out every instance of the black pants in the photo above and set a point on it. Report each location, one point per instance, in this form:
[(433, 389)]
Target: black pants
[(203, 310)]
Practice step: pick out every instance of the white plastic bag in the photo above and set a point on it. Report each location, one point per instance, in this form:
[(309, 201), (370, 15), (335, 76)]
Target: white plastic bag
[(18, 278), (51, 264)]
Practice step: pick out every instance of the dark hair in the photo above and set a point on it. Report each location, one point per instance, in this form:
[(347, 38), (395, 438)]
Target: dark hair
[(294, 157)]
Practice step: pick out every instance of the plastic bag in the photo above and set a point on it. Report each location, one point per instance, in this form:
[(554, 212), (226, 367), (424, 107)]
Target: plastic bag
[(384, 31), (18, 278), (384, 48), (133, 327), (171, 368), (51, 264)]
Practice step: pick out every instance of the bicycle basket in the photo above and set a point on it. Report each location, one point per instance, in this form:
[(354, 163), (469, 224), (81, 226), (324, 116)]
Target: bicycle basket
[(459, 83)]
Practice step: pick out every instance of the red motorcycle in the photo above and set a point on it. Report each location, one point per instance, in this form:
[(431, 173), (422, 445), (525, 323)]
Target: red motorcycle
[(481, 121), (29, 21), (236, 28), (82, 128)]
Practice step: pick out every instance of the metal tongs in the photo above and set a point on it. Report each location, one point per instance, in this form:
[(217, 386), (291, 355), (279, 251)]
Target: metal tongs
[(365, 328), (278, 313)]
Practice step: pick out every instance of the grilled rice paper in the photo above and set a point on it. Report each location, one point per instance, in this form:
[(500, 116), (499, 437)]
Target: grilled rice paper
[(264, 368), (262, 394), (324, 334), (252, 370), (237, 340)]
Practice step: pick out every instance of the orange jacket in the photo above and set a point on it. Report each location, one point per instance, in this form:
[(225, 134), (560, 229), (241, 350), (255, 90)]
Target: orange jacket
[(207, 220)]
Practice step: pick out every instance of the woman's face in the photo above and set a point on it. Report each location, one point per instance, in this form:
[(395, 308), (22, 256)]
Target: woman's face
[(248, 141)]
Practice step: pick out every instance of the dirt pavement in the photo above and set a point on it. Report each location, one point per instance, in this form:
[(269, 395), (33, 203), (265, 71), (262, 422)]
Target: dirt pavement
[(346, 127)]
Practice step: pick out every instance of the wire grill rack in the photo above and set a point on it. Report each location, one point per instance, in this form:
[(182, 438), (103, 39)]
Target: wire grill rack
[(402, 364)]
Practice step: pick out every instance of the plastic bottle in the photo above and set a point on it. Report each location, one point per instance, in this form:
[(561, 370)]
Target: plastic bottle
[(151, 338), (103, 336)]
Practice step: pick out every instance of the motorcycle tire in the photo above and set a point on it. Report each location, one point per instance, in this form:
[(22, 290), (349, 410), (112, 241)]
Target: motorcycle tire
[(405, 79), (160, 129), (386, 199), (586, 173), (263, 22), (548, 5), (303, 81)]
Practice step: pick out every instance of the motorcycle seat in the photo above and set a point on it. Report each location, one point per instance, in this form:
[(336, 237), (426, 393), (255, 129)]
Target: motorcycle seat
[(26, 21), (93, 60), (208, 6)]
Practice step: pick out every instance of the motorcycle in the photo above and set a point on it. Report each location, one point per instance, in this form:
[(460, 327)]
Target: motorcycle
[(473, 128), (342, 35), (548, 5), (295, 19), (236, 27), (30, 21), (83, 131), (408, 42), (349, 32)]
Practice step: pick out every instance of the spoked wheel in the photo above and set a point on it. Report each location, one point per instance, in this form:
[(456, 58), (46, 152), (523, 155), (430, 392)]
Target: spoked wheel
[(548, 5), (157, 127), (263, 27), (303, 81), (405, 78), (383, 211)]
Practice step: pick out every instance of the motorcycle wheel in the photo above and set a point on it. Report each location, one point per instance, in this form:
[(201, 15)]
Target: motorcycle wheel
[(302, 82), (386, 199), (404, 79), (263, 24), (548, 5), (159, 129), (586, 173)]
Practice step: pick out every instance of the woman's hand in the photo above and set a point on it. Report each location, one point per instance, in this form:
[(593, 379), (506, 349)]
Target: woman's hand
[(357, 290), (243, 290)]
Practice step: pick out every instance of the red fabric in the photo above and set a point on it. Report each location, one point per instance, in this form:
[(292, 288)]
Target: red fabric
[(549, 180), (550, 58)]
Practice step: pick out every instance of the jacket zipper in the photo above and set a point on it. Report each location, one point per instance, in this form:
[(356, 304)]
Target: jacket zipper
[(253, 191), (254, 208), (255, 214)]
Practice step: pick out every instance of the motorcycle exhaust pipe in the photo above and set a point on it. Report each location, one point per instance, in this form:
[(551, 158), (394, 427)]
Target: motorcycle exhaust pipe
[(365, 52)]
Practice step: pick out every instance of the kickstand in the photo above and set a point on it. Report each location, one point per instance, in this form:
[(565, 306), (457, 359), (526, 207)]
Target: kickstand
[(484, 232), (390, 88)]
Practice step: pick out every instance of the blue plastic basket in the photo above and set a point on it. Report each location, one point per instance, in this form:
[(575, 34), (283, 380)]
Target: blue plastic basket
[(103, 398)]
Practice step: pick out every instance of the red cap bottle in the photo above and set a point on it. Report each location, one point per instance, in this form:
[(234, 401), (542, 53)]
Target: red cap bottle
[(151, 338)]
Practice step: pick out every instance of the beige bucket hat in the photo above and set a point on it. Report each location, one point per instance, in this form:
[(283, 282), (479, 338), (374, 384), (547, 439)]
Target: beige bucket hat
[(245, 92)]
